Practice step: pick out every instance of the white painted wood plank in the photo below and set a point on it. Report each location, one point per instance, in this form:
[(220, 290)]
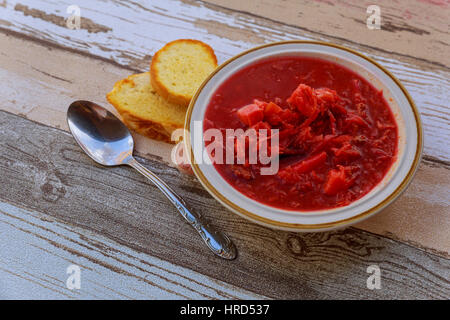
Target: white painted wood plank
[(36, 249), (139, 29)]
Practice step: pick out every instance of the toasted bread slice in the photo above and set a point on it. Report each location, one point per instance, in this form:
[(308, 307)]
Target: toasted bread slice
[(178, 69), (145, 111)]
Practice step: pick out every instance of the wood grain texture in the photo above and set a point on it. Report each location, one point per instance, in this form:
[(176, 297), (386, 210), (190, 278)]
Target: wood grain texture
[(425, 206), (116, 217), (132, 31), (418, 28), (54, 79), (36, 251), (43, 170)]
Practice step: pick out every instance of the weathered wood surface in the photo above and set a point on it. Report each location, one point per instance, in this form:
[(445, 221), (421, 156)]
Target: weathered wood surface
[(40, 248), (44, 171), (416, 29), (117, 218), (53, 79), (128, 32)]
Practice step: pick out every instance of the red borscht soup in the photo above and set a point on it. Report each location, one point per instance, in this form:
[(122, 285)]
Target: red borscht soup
[(337, 134)]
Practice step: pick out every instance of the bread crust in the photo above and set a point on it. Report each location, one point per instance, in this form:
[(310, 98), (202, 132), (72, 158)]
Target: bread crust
[(155, 130), (156, 82)]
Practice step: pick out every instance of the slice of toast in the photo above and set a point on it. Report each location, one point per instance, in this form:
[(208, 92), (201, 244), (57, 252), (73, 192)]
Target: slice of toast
[(178, 69), (145, 111)]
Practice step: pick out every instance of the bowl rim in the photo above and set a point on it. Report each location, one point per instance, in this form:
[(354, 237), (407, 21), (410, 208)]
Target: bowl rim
[(296, 226)]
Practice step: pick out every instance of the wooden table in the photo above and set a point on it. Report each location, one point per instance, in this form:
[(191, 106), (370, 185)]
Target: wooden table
[(58, 208)]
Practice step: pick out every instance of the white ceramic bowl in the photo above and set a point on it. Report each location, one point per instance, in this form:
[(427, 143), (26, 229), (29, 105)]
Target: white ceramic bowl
[(394, 183)]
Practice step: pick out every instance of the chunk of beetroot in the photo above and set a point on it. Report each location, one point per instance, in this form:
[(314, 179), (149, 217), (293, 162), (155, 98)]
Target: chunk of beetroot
[(311, 163), (250, 114), (337, 180), (271, 109), (304, 100), (288, 117), (272, 113), (326, 95)]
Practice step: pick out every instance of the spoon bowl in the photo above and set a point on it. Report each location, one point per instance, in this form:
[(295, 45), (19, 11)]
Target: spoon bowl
[(99, 133)]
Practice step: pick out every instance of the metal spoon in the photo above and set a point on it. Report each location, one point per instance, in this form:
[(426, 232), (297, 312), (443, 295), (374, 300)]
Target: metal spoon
[(109, 142)]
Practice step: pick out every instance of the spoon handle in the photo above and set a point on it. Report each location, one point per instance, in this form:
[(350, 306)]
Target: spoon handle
[(217, 241)]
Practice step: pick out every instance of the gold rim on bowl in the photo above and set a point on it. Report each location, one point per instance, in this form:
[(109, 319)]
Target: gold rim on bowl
[(294, 226)]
